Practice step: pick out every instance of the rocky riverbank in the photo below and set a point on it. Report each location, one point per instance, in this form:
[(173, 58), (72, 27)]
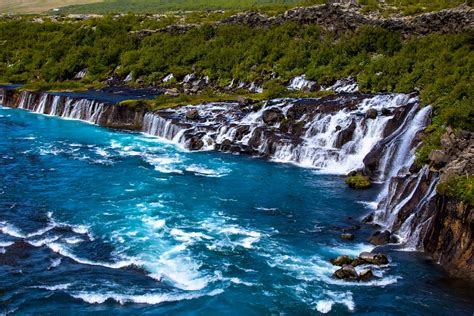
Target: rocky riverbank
[(371, 134)]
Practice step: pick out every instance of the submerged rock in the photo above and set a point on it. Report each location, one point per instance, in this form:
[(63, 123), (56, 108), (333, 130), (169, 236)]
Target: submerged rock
[(348, 236)]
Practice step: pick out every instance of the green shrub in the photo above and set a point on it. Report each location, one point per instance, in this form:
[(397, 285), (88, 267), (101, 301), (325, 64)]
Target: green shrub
[(358, 182), (461, 187)]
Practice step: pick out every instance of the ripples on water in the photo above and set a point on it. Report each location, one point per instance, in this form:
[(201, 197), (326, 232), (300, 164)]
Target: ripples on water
[(97, 221)]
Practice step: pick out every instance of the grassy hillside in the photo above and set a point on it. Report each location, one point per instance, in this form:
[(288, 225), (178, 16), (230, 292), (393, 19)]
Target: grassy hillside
[(150, 6), (37, 6), (159, 6)]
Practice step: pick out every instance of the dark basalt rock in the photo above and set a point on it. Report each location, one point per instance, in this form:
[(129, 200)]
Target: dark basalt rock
[(272, 116), (347, 272), (386, 112), (371, 114), (192, 114), (341, 260), (366, 275), (345, 135), (379, 238), (195, 143), (368, 219), (373, 258)]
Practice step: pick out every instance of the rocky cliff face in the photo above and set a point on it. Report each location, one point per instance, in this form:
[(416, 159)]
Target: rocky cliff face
[(426, 220), (97, 112), (344, 17)]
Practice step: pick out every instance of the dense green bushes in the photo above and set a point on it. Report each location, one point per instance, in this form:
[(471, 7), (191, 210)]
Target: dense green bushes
[(439, 66), (459, 187)]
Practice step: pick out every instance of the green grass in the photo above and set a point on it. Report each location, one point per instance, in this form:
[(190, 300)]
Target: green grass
[(461, 187), (60, 86), (407, 7), (158, 6)]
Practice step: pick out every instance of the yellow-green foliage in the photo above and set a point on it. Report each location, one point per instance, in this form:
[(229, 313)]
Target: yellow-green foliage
[(59, 86), (461, 187), (358, 182), (138, 104)]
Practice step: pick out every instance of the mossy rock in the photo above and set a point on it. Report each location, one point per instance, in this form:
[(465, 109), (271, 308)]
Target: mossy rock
[(358, 182)]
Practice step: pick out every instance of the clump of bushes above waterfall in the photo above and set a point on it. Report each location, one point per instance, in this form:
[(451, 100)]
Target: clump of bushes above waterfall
[(439, 66)]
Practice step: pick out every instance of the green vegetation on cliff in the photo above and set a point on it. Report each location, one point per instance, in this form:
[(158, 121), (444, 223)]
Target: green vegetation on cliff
[(458, 187)]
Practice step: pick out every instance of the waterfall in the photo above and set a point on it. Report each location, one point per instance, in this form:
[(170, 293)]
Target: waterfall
[(336, 135), (401, 153), (157, 126), (42, 104), (74, 108), (55, 106)]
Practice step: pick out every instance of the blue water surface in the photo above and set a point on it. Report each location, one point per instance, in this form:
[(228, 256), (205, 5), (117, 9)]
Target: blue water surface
[(96, 221)]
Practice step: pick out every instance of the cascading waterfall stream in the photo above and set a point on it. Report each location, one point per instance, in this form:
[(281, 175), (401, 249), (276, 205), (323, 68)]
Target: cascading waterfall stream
[(401, 152)]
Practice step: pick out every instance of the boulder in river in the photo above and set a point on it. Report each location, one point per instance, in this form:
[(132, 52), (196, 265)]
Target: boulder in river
[(195, 143), (371, 114), (347, 272), (366, 275), (380, 238), (341, 260), (347, 236), (373, 258)]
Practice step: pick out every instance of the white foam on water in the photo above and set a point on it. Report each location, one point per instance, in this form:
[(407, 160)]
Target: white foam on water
[(55, 262), (239, 281), (57, 287), (11, 230), (73, 240), (155, 223), (5, 244), (42, 242), (183, 236), (202, 171), (345, 298), (65, 252), (151, 298)]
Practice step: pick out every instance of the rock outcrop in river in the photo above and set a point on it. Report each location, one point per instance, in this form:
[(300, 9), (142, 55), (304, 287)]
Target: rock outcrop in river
[(372, 134)]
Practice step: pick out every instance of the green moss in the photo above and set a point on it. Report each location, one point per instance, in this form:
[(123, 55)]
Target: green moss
[(138, 104), (59, 86), (461, 187), (358, 182)]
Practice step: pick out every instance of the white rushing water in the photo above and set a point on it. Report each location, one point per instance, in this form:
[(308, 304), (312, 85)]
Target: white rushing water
[(62, 106), (318, 147)]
